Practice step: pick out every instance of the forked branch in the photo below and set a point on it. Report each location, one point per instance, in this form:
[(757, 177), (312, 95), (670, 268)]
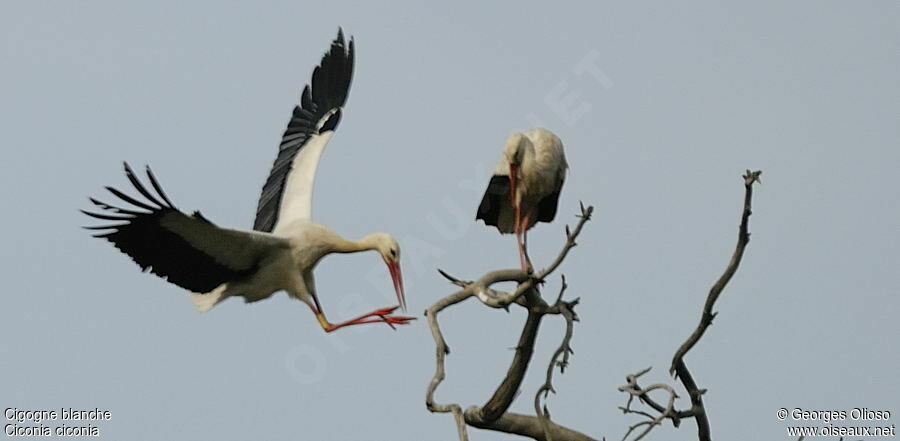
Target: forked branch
[(494, 413)]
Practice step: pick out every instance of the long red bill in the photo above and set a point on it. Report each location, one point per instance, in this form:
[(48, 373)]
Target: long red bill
[(394, 268)]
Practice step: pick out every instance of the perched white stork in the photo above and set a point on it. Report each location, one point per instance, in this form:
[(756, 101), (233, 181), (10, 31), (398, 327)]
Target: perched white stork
[(525, 187), (215, 263)]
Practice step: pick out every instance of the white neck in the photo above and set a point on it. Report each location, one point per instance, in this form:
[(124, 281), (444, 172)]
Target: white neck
[(341, 245)]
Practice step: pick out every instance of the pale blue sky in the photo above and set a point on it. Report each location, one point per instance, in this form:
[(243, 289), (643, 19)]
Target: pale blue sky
[(661, 108)]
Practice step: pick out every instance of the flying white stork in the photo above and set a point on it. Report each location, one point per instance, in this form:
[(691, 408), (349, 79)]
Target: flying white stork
[(525, 187), (215, 263)]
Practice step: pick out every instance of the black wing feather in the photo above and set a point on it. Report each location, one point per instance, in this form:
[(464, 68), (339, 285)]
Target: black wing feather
[(146, 239), (547, 207), (328, 91), (495, 196), (158, 188)]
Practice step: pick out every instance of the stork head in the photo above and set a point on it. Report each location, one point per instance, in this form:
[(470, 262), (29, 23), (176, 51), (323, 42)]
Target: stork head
[(514, 152), (389, 249)]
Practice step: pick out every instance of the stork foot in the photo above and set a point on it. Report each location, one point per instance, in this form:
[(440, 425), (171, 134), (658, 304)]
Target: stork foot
[(392, 320), (382, 315)]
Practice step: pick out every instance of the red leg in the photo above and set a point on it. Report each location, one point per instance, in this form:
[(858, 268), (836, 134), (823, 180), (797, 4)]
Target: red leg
[(517, 227), (377, 316), (382, 315), (523, 250)]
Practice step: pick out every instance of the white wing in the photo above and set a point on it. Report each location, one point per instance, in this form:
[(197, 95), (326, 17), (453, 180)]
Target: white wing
[(287, 193)]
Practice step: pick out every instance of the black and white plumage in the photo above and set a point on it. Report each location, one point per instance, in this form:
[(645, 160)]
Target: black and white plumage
[(526, 184), (188, 251), (287, 193), (216, 263)]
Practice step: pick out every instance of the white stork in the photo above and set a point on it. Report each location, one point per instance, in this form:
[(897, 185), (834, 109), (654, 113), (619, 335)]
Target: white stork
[(526, 185), (215, 263)]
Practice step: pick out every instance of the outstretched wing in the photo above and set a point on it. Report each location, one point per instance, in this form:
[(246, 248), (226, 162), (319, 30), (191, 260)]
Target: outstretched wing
[(189, 251), (287, 194)]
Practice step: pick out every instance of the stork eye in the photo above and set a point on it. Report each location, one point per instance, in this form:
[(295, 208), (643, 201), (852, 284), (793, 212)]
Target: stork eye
[(393, 253)]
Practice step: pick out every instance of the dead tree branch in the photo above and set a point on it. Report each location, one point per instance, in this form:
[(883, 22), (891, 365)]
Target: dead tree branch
[(494, 415), (499, 299), (633, 390), (678, 367), (528, 426), (716, 290), (441, 351), (567, 310)]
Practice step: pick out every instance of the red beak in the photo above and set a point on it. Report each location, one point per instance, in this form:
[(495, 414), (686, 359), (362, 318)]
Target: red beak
[(513, 178), (394, 268)]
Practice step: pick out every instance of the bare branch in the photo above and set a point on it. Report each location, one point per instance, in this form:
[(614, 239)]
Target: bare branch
[(525, 425), (564, 350), (494, 414), (503, 397), (441, 350), (500, 299), (562, 289), (633, 390), (505, 393), (570, 242), (454, 280), (696, 395), (678, 367), (716, 290)]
